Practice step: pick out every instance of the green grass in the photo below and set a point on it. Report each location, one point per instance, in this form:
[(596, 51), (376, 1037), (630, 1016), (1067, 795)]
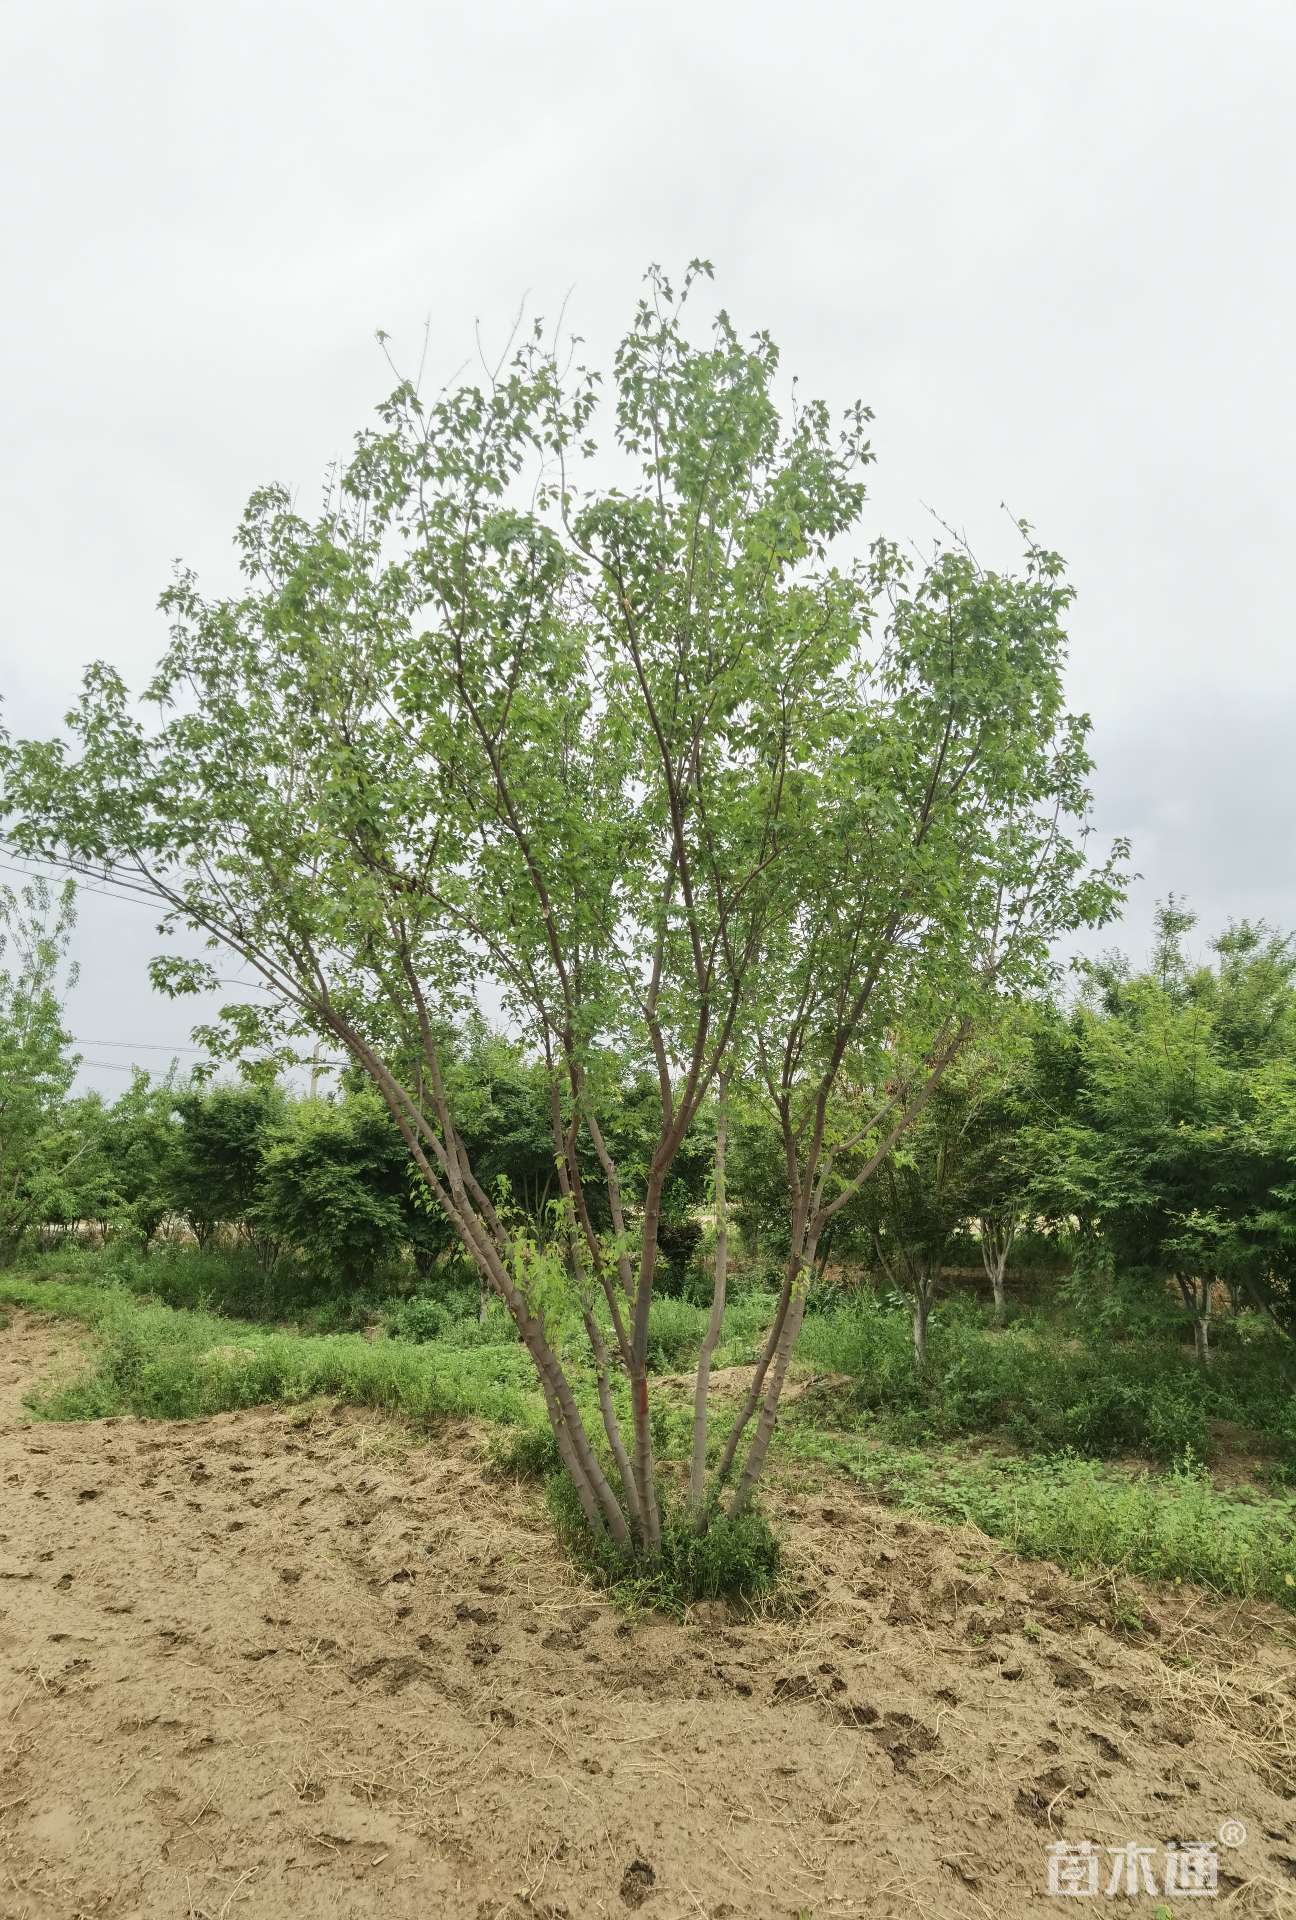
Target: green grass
[(424, 1320), (166, 1363), (1059, 1399), (736, 1559), (1085, 1517), (218, 1280), (1043, 1387), (675, 1333), (83, 1300), (676, 1329)]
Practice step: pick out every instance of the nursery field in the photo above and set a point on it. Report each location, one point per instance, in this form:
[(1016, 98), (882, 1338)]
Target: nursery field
[(285, 1628), (673, 1330)]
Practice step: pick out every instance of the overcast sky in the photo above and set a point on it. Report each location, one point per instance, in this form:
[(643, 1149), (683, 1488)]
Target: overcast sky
[(1049, 244)]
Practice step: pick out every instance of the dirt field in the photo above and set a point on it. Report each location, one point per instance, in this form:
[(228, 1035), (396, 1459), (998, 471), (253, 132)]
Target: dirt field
[(274, 1664)]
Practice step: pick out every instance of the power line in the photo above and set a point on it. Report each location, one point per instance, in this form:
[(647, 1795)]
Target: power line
[(118, 1066), (137, 897), (158, 1046), (140, 896), (138, 1046)]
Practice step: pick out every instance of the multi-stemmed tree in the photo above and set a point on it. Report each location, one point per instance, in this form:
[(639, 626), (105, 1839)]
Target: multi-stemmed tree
[(626, 738)]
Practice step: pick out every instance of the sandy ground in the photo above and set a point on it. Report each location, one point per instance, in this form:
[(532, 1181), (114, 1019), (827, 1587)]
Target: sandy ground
[(273, 1664)]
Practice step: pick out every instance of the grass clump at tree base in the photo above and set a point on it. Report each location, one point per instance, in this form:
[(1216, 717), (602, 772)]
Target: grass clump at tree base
[(736, 1559)]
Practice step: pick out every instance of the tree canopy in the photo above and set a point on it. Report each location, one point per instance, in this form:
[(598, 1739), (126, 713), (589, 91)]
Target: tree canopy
[(573, 694), (1167, 1141)]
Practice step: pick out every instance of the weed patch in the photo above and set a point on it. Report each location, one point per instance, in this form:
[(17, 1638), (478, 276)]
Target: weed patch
[(736, 1559), (1045, 1389), (1084, 1516), (165, 1364)]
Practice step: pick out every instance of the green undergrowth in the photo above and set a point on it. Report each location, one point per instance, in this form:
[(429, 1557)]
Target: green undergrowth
[(676, 1329), (166, 1363), (443, 1310), (227, 1280), (736, 1559), (163, 1362), (1082, 1515), (82, 1300), (1045, 1383)]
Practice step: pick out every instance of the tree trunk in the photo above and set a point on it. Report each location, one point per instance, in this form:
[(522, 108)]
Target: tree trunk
[(611, 1425), (996, 1245), (650, 1515), (921, 1309), (754, 1391), (697, 1475), (1197, 1298), (803, 1271), (1201, 1323), (567, 1454), (769, 1411)]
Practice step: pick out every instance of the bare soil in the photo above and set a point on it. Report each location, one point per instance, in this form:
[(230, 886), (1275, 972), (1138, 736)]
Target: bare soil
[(290, 1663)]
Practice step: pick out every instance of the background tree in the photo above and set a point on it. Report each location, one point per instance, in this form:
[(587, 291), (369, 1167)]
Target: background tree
[(37, 1064), (141, 1146), (914, 1203), (335, 1184), (996, 1172), (1161, 1157), (219, 1157), (502, 1107), (956, 1164), (1270, 1278), (76, 1183), (758, 1178)]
